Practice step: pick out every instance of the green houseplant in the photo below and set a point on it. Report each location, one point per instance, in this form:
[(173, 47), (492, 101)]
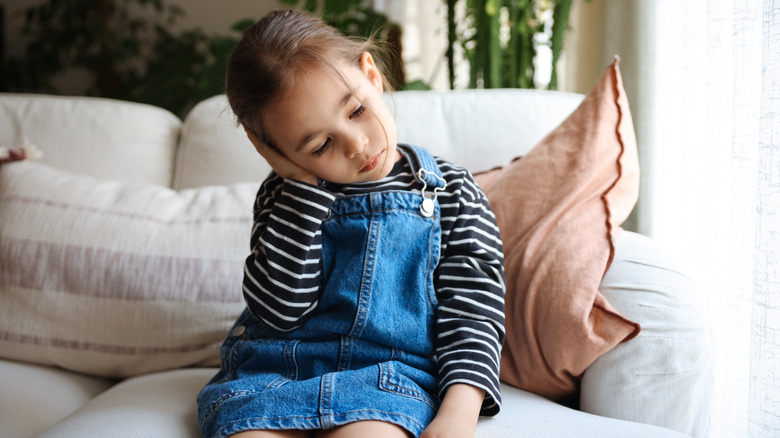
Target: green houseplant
[(499, 39), (132, 50), (129, 49)]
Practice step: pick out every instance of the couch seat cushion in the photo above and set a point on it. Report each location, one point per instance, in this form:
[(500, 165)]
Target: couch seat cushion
[(35, 397)]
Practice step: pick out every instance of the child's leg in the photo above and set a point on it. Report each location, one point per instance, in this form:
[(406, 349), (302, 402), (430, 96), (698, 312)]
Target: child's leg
[(273, 434), (362, 429)]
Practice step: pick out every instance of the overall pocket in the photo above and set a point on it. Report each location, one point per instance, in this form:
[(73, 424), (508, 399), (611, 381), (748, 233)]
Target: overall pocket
[(267, 363), (398, 378)]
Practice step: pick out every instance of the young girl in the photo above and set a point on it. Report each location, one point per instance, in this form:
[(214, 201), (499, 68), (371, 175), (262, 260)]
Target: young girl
[(375, 285)]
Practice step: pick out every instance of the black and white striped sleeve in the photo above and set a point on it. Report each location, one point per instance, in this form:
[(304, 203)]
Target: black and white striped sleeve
[(282, 274), (470, 287)]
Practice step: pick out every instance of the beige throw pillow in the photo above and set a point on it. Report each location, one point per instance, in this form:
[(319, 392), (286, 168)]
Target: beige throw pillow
[(117, 279)]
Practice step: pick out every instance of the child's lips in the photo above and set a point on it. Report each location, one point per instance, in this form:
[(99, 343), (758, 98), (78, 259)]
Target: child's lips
[(372, 164)]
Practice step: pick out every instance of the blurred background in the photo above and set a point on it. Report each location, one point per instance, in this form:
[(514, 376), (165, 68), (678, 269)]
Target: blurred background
[(702, 78), (137, 49)]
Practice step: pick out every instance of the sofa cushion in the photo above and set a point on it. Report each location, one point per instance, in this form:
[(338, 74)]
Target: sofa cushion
[(479, 128), (35, 397), (529, 415), (161, 405), (104, 138), (558, 209), (117, 279), (154, 405), (214, 150)]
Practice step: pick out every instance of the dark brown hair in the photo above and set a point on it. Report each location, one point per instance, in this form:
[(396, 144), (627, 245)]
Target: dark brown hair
[(276, 51)]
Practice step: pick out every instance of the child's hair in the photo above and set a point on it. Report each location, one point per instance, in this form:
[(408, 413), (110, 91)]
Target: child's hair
[(274, 53)]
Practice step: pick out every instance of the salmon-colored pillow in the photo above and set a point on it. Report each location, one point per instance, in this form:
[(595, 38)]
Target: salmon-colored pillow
[(559, 209)]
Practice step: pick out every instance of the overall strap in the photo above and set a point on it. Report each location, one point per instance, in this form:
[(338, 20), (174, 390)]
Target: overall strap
[(423, 165), (427, 172)]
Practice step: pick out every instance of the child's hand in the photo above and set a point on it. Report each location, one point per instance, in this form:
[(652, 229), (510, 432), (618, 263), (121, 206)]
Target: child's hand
[(448, 428), (282, 165), (458, 414)]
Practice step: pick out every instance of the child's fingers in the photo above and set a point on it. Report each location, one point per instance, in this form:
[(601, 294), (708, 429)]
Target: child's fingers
[(282, 165)]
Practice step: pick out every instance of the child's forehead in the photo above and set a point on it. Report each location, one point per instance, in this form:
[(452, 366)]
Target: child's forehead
[(323, 80)]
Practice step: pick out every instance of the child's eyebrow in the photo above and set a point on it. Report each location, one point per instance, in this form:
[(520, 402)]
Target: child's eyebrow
[(344, 100), (342, 103)]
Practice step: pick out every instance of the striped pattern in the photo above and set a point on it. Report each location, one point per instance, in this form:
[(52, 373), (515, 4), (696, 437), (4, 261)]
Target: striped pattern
[(117, 279), (282, 276)]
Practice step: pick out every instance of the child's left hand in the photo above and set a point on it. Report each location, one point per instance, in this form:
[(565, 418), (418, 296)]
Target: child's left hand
[(458, 413)]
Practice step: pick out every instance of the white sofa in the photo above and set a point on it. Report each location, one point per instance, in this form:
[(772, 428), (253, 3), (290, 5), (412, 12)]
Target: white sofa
[(655, 385)]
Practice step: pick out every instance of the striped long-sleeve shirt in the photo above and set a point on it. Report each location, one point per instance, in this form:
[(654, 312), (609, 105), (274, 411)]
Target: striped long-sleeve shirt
[(282, 274)]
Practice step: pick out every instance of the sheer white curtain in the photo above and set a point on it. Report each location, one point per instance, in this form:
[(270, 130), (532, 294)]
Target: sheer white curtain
[(703, 77)]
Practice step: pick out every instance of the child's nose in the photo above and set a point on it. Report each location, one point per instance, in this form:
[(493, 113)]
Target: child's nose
[(355, 144)]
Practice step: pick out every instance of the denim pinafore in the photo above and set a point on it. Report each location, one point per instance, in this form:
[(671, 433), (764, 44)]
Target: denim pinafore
[(367, 352)]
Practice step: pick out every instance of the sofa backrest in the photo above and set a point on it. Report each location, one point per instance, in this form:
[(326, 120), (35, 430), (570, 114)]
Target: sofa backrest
[(104, 138), (126, 141), (479, 129)]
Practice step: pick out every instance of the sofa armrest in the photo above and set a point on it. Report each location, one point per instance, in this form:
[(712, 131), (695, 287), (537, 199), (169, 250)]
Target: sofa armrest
[(664, 375)]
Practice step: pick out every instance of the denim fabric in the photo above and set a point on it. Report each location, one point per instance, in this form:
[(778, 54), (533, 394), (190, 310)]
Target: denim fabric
[(367, 351)]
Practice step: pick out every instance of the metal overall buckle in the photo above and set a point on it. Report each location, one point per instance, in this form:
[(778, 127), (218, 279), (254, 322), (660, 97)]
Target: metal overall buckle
[(427, 207)]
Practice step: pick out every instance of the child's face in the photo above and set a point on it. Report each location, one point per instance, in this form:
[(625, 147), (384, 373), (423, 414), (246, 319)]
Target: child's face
[(335, 135)]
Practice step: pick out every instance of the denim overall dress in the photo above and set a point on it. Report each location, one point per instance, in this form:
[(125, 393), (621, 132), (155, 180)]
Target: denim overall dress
[(367, 352)]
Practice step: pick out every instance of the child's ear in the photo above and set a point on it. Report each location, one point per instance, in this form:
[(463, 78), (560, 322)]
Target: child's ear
[(371, 70)]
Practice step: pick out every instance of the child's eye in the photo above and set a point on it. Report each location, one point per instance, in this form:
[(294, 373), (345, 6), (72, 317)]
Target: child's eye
[(323, 148), (357, 112)]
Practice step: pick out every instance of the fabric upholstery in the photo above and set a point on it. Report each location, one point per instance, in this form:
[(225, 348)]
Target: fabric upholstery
[(215, 151), (35, 397), (117, 279), (155, 405), (669, 365), (106, 138)]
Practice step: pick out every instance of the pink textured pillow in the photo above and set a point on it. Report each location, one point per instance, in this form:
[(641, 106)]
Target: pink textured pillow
[(559, 209)]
